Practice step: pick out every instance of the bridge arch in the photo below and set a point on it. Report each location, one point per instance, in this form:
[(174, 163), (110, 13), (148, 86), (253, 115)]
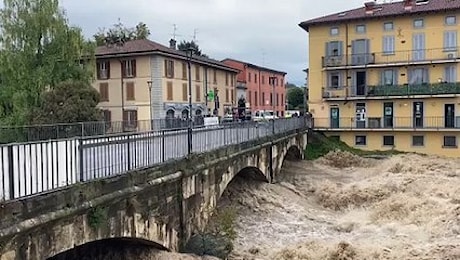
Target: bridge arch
[(110, 248)]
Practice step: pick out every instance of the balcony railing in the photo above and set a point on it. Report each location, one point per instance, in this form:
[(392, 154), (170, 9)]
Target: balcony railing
[(393, 90), (395, 57), (390, 123)]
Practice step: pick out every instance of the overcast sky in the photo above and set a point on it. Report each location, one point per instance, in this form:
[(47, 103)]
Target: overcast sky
[(262, 32)]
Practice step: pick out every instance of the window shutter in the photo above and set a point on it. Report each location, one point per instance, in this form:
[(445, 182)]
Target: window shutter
[(108, 69), (123, 68), (134, 118), (395, 76), (184, 92), (125, 116), (184, 70), (198, 93), (130, 94), (104, 91), (340, 48), (134, 67), (166, 68), (328, 50), (98, 70), (169, 90)]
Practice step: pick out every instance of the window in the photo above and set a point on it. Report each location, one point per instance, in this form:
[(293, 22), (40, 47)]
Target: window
[(263, 79), (103, 70), (335, 79), (334, 31), (130, 118), (198, 93), (418, 23), (450, 40), (232, 80), (360, 140), (418, 76), (282, 99), (256, 99), (263, 101), (104, 91), (361, 28), (184, 92), (451, 20), (197, 72), (215, 77), (226, 79), (388, 26), (107, 114), (255, 78), (169, 90), (389, 77), (277, 99), (450, 141), (232, 93), (184, 70), (418, 140), (450, 74), (388, 45), (129, 68), (169, 68), (130, 91), (388, 140), (271, 99), (334, 48), (227, 99)]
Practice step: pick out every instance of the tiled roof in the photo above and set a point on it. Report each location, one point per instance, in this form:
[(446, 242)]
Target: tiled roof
[(146, 47), (385, 10), (256, 66)]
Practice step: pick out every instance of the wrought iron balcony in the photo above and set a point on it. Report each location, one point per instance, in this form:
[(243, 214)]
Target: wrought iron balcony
[(387, 123), (378, 59), (380, 91), (412, 90)]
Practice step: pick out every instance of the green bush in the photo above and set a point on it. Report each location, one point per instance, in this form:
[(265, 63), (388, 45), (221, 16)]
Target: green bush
[(320, 145)]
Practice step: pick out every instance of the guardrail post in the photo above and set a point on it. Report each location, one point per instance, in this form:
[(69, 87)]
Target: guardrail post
[(163, 146), (128, 142), (80, 159), (10, 171)]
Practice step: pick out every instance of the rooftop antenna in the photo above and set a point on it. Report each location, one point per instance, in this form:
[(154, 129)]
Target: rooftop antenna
[(263, 57), (175, 31), (195, 32)]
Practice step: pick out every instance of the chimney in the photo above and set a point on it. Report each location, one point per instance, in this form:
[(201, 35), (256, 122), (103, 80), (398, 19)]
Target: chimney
[(369, 7), (407, 5), (172, 44)]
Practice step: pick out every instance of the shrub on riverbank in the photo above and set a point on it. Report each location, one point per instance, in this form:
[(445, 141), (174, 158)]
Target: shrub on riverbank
[(320, 145)]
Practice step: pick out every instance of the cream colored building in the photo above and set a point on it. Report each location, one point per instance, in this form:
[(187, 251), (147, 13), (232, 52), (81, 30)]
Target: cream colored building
[(125, 73)]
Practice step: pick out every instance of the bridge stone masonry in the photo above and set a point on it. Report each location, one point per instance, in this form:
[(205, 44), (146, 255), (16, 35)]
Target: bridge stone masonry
[(161, 206)]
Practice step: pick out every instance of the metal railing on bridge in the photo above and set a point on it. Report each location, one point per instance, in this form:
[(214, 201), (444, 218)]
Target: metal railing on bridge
[(34, 167)]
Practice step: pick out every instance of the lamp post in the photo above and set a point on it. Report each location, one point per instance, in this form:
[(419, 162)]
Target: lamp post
[(149, 83), (190, 122), (272, 82)]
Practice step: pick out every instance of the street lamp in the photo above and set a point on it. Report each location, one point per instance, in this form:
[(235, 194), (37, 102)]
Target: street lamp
[(190, 122), (272, 81), (149, 83)]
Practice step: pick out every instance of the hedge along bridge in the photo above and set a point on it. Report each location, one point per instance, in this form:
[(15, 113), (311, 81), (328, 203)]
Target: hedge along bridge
[(139, 186)]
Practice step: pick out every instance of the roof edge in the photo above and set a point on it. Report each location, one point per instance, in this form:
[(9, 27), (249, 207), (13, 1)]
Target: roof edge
[(255, 66)]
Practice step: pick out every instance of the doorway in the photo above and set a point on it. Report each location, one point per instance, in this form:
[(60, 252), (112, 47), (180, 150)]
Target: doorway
[(335, 117), (388, 115), (361, 83), (360, 115), (418, 114), (449, 115)]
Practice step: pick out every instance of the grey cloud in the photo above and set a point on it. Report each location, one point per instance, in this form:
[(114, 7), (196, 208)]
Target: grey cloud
[(239, 29)]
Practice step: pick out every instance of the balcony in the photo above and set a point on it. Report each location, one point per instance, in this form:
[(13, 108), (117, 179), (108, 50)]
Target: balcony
[(388, 124), (396, 58), (393, 91)]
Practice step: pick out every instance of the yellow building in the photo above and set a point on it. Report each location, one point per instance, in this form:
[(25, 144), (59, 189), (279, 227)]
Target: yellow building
[(126, 73), (385, 76)]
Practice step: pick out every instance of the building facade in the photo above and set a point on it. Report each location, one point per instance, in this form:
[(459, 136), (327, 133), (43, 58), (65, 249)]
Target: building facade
[(264, 88), (385, 76), (144, 80)]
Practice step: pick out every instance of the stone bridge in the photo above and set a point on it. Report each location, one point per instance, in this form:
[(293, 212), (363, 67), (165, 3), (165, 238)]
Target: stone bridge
[(161, 206)]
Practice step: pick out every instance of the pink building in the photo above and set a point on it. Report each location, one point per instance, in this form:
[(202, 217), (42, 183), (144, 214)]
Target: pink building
[(263, 88)]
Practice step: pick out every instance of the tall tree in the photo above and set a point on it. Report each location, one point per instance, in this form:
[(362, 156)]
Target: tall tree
[(39, 50), (185, 46), (69, 101), (119, 34), (295, 96)]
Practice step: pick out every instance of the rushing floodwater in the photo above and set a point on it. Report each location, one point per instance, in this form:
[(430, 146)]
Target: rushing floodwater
[(405, 207)]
